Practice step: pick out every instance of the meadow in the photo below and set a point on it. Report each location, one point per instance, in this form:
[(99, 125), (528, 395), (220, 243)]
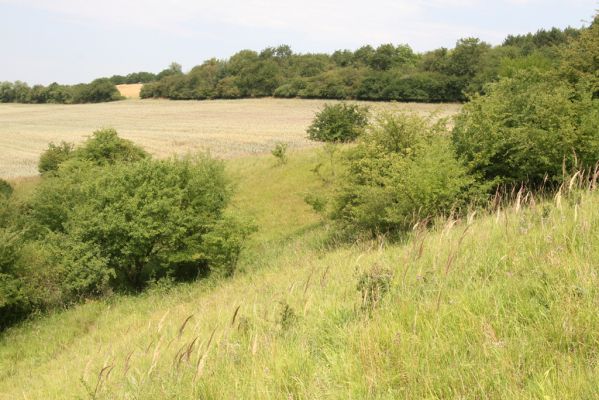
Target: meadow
[(498, 305), (226, 128), (401, 257), (494, 303)]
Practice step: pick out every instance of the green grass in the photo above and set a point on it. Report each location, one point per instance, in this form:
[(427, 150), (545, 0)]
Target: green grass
[(504, 309), (273, 194)]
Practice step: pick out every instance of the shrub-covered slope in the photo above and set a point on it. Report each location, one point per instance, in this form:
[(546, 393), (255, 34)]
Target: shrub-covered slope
[(493, 306)]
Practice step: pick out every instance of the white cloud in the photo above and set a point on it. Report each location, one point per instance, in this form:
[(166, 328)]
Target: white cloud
[(373, 21), (263, 13)]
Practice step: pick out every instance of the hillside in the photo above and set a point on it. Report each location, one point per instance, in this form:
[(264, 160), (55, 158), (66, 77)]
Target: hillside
[(500, 306)]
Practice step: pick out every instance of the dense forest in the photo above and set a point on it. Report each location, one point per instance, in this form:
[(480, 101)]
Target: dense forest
[(387, 72)]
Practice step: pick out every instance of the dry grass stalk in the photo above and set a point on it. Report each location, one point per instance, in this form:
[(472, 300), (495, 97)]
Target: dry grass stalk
[(127, 363), (235, 315), (184, 324), (324, 275), (202, 359), (161, 322), (255, 345), (450, 258), (100, 375), (308, 282)]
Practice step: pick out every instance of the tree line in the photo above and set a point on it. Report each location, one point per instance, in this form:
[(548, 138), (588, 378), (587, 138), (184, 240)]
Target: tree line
[(387, 72), (99, 91)]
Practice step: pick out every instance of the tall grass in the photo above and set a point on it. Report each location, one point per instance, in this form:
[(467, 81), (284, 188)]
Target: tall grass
[(493, 306)]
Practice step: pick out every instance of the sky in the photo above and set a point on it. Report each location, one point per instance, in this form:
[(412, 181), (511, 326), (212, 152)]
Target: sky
[(71, 41)]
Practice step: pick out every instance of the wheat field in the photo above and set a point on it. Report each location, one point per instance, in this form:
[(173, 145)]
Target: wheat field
[(226, 128), (130, 90)]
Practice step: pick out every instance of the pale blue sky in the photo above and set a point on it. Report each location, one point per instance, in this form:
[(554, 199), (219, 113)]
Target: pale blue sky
[(72, 41)]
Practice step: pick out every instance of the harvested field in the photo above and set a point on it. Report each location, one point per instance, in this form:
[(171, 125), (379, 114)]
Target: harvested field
[(227, 128), (130, 91)]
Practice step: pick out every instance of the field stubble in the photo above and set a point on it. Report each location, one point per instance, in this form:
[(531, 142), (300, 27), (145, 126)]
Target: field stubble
[(226, 128), (130, 90)]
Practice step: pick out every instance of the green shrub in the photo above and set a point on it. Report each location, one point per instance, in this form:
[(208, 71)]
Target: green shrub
[(9, 244), (56, 196), (149, 90), (318, 203), (526, 129), (402, 171), (508, 66), (580, 60), (287, 317), (280, 153), (108, 219), (14, 299), (332, 84), (286, 90), (224, 243), (373, 285), (5, 189), (227, 88), (328, 163), (79, 266), (338, 123), (106, 147), (98, 91), (118, 226), (54, 156)]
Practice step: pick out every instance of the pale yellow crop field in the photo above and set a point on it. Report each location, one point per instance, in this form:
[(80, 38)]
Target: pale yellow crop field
[(227, 128), (130, 90)]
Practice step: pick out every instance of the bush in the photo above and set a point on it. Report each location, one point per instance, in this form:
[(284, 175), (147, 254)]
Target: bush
[(318, 203), (333, 84), (280, 152), (227, 88), (118, 226), (338, 123), (98, 91), (373, 285), (149, 90), (527, 128), (55, 155), (111, 219), (14, 300), (223, 244), (5, 189), (402, 171), (286, 90), (106, 147), (78, 266), (580, 60)]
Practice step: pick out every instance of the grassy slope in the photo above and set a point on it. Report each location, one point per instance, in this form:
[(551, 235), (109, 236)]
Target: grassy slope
[(513, 315)]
